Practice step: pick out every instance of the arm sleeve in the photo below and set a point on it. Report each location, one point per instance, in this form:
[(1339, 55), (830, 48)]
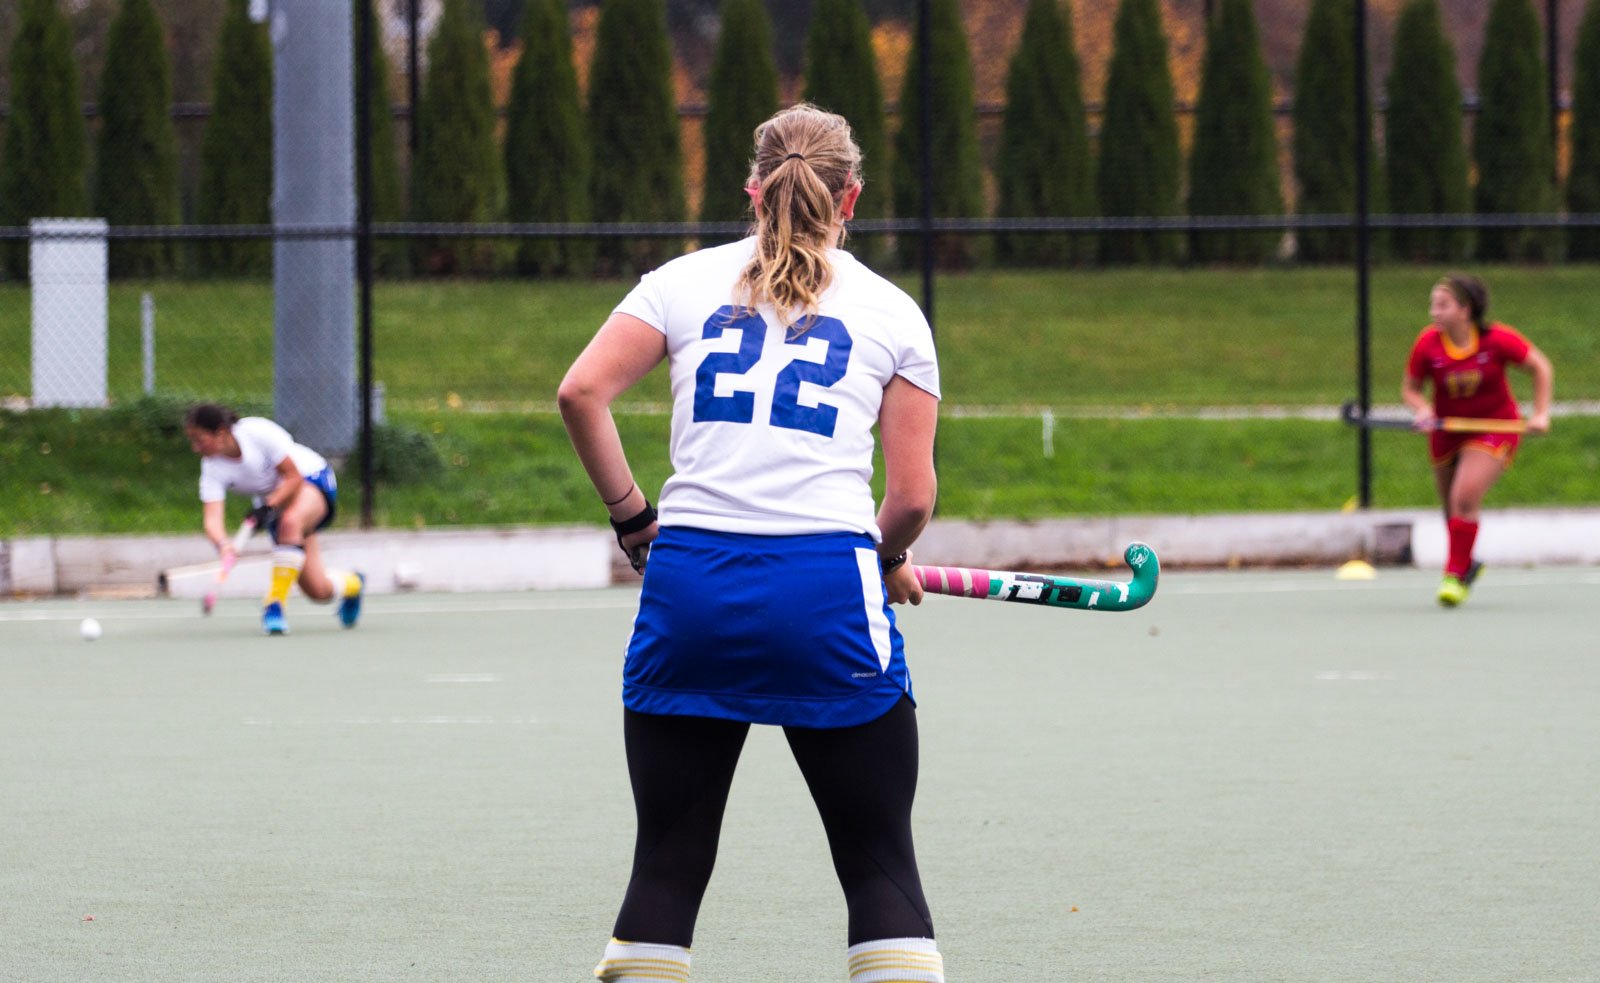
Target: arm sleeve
[(274, 441), (1417, 364), (1512, 342), (647, 302), (918, 360), (211, 487)]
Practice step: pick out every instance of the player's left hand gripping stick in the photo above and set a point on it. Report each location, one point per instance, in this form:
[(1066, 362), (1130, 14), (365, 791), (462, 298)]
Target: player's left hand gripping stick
[(246, 528)]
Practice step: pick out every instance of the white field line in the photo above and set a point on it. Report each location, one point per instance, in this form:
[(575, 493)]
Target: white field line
[(626, 602), (1264, 412), (1502, 579), (427, 719), (1185, 585), (1015, 411)]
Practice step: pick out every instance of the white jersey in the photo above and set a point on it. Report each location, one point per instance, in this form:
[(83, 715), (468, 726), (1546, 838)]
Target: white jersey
[(262, 445), (772, 430)]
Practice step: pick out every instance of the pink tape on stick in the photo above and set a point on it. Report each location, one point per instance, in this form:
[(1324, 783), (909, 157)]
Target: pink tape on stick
[(959, 581)]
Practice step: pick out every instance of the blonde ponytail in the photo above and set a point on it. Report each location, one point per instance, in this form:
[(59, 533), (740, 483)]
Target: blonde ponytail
[(806, 162)]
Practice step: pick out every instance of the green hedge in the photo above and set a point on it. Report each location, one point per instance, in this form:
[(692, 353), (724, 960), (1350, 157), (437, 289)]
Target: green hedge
[(548, 162), (1045, 168), (136, 182), (1138, 174), (743, 93)]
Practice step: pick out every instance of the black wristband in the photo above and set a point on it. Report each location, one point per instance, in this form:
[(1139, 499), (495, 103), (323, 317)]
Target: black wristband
[(264, 515), (892, 564), (632, 525)]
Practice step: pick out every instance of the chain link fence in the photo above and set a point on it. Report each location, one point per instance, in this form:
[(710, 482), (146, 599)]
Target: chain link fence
[(1052, 365)]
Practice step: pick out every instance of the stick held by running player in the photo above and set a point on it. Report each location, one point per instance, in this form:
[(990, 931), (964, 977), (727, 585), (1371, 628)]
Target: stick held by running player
[(1351, 414)]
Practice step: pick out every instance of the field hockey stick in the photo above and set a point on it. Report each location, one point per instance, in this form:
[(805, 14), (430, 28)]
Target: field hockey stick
[(1051, 590), (246, 529), (1351, 414)]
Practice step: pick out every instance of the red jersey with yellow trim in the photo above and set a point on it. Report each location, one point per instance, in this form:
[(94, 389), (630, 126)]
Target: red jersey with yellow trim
[(1470, 381)]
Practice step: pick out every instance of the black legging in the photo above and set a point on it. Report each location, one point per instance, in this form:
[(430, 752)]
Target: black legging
[(862, 779)]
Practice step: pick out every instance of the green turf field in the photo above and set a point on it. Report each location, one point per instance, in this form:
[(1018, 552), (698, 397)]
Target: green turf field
[(1258, 777)]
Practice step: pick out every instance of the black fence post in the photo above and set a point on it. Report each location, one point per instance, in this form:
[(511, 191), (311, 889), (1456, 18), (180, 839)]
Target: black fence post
[(1552, 45), (925, 83), (1363, 259), (413, 80), (364, 253)]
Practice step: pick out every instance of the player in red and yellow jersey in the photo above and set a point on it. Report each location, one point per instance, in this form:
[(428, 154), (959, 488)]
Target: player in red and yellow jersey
[(1464, 359)]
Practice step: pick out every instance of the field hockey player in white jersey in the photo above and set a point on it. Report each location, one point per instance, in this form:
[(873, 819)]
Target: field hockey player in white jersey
[(293, 496), (768, 571)]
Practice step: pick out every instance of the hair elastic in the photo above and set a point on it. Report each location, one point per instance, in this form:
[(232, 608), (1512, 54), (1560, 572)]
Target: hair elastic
[(623, 498), (795, 157)]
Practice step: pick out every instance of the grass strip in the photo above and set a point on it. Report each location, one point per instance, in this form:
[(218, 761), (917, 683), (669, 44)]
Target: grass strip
[(66, 472)]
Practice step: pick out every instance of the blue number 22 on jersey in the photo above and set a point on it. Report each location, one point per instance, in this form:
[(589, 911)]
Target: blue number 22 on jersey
[(786, 409)]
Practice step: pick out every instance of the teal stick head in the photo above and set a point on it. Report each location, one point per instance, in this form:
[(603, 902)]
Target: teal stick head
[(1141, 559)]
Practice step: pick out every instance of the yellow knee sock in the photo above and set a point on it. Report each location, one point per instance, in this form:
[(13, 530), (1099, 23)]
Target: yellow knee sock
[(287, 562)]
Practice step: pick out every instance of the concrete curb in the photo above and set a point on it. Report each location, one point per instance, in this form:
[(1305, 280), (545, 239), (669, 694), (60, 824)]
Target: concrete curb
[(575, 557), (452, 560)]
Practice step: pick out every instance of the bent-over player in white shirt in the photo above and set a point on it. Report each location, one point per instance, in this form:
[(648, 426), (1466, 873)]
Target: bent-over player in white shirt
[(293, 495)]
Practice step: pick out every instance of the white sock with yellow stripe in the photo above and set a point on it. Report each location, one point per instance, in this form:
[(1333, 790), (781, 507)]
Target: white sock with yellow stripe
[(896, 961), (345, 584), (643, 962)]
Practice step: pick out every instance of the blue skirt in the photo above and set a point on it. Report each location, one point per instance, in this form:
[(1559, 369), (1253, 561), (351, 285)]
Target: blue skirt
[(787, 630)]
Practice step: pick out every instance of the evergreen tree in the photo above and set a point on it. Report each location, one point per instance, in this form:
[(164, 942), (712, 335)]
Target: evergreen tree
[(505, 17), (236, 153), (1138, 173), (1233, 169), (1511, 137), (1583, 175), (633, 119), (547, 143), (1325, 131), (43, 163), (388, 196), (743, 94), (458, 176), (136, 182), (842, 77), (1045, 169), (1426, 158), (957, 168)]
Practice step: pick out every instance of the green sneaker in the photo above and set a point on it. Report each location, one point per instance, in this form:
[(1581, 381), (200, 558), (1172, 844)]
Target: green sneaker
[(1452, 591)]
